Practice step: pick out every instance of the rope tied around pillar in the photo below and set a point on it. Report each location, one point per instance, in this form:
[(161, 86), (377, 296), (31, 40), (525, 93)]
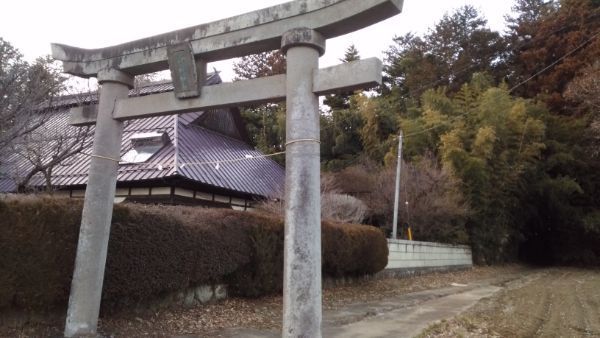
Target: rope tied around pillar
[(105, 158), (311, 140)]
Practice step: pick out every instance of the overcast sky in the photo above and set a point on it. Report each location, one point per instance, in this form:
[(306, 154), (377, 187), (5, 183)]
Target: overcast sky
[(32, 25)]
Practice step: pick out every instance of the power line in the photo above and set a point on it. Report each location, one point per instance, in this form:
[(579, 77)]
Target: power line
[(516, 86), (428, 85), (555, 62), (517, 46), (250, 157)]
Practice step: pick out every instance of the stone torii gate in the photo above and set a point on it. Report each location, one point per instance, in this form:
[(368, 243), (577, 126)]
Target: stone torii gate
[(300, 28)]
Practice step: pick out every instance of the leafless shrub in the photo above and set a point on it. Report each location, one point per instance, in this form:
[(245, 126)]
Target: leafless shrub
[(342, 208), (430, 199), (334, 206)]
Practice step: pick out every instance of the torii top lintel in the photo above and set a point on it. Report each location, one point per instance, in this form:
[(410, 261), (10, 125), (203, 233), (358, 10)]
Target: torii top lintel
[(237, 36)]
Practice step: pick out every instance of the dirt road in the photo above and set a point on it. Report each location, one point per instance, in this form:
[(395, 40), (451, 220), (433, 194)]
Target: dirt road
[(263, 315), (518, 302), (549, 303)]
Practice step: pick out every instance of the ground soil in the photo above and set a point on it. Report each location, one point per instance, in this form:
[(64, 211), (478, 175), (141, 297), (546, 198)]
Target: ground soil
[(558, 302), (261, 314)]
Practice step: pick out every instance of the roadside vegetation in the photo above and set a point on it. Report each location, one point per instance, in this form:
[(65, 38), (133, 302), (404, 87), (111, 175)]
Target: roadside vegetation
[(155, 251), (501, 133)]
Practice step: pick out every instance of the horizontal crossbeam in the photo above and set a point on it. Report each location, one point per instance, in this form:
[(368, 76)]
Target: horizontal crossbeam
[(237, 36), (360, 74)]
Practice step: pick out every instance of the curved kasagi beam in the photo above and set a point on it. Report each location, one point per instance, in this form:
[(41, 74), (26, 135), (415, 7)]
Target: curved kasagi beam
[(237, 36)]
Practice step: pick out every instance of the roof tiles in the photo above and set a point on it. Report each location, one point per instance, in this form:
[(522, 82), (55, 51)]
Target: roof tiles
[(240, 168)]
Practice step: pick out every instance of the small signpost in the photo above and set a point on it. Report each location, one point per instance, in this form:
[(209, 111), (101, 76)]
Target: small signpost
[(300, 28)]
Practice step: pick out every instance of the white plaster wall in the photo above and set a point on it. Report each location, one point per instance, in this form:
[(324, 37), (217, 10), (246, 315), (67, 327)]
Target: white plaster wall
[(414, 254)]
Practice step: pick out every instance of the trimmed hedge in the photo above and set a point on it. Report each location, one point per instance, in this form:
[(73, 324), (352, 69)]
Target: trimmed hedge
[(159, 250), (352, 250)]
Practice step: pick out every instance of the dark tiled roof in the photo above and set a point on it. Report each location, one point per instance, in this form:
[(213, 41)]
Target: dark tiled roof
[(228, 163), (195, 138)]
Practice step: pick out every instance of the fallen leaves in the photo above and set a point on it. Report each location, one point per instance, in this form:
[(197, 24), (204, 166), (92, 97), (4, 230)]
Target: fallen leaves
[(262, 314)]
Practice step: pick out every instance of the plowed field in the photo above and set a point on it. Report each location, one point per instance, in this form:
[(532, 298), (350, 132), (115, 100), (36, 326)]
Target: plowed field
[(548, 303)]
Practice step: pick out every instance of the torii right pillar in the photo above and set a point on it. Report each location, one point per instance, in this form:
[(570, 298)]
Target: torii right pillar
[(302, 297)]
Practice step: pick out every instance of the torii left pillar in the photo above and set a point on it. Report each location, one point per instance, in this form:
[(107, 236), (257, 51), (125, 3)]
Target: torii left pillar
[(86, 287)]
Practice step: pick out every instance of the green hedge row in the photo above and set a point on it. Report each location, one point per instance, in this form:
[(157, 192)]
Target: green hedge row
[(154, 251)]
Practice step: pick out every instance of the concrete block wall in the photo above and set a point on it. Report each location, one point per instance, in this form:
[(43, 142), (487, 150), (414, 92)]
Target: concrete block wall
[(406, 254)]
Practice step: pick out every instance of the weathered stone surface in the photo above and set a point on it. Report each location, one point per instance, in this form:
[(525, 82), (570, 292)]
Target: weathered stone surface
[(220, 292), (204, 293), (348, 76), (237, 36), (92, 247), (303, 37), (302, 312), (180, 296), (190, 299)]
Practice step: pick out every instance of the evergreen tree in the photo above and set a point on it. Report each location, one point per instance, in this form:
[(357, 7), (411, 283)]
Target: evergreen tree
[(260, 65), (342, 101), (265, 123), (458, 46), (344, 124)]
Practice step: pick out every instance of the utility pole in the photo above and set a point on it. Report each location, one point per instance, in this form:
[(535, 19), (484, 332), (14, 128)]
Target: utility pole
[(397, 195)]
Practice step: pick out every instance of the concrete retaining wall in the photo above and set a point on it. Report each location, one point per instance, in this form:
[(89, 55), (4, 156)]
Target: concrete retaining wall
[(415, 255)]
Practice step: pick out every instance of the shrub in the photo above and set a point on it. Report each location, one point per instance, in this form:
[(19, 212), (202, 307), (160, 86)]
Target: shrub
[(335, 206), (342, 208), (431, 202), (37, 251), (264, 272), (158, 250), (353, 250)]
